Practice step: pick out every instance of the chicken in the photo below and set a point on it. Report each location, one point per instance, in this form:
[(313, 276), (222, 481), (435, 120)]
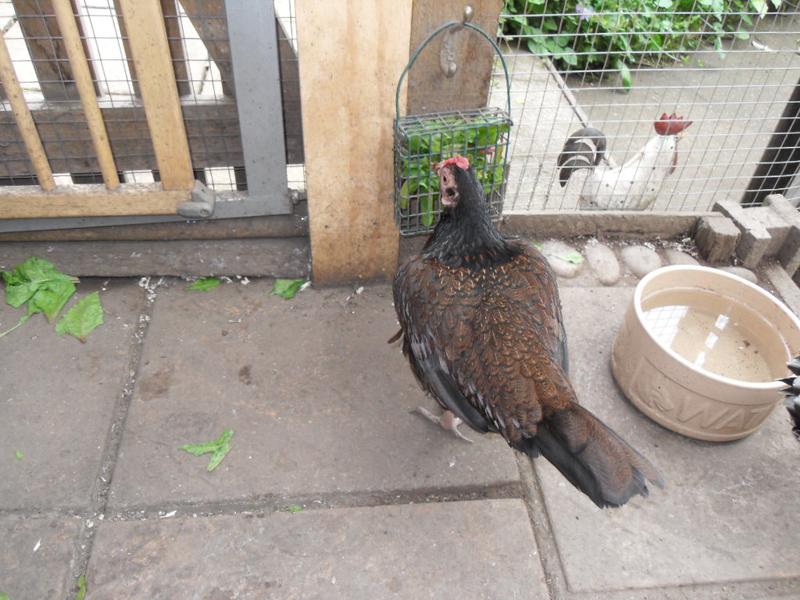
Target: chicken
[(634, 185), (481, 325), (792, 393)]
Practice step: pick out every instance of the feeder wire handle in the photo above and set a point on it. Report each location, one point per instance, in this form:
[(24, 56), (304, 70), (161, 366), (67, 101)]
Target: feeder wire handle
[(427, 40)]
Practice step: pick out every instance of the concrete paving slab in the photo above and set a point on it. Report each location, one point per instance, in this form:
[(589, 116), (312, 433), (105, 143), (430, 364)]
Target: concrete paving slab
[(57, 397), (35, 557), (318, 400), (482, 549), (725, 515)]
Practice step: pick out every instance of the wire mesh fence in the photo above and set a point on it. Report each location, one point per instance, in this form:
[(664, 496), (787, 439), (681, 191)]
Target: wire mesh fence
[(423, 141), (197, 34), (617, 66)]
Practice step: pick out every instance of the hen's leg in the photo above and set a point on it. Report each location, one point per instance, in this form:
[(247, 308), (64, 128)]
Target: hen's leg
[(447, 421)]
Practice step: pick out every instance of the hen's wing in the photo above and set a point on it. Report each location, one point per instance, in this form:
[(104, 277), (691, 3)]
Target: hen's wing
[(488, 344)]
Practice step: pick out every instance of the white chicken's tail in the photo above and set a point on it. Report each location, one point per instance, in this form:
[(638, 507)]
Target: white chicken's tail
[(583, 150)]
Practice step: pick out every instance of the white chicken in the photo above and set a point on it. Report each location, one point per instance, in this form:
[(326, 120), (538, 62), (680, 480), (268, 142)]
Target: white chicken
[(634, 185)]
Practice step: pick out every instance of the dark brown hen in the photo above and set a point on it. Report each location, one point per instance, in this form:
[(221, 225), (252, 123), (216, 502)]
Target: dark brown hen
[(482, 330)]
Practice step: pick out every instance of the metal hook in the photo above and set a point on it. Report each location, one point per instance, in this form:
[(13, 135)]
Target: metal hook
[(468, 14), (447, 55)]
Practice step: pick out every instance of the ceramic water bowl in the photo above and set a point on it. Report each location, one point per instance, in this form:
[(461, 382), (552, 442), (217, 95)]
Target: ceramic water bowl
[(700, 351)]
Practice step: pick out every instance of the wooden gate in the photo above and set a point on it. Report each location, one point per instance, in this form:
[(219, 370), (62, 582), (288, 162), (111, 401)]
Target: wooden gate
[(162, 127)]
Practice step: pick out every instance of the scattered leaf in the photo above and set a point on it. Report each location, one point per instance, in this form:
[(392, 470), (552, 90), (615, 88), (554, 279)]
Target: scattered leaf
[(218, 448), (37, 282), (19, 456), (22, 320), (82, 318), (4, 596), (287, 288), (573, 257), (205, 284), (81, 588), (625, 75), (294, 508)]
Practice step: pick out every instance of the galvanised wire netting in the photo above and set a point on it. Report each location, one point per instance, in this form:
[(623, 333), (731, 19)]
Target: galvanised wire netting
[(617, 65), (422, 141), (199, 46)]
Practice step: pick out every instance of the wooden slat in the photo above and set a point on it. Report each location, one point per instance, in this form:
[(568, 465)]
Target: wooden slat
[(23, 118), (83, 81), (150, 50), (208, 18), (28, 202), (172, 26), (213, 131), (45, 45), (428, 88)]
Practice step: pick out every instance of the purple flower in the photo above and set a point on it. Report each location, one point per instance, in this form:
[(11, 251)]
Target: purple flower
[(584, 12)]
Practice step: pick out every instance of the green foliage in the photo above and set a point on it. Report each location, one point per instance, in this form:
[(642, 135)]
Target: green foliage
[(37, 282), (294, 508), (81, 588), (607, 35), (287, 288), (82, 318), (218, 448), (573, 257), (19, 456), (427, 142), (205, 284)]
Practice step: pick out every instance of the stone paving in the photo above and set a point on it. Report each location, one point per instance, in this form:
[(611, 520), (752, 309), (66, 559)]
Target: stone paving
[(332, 488)]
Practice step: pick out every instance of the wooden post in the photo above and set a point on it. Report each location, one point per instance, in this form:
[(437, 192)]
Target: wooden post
[(22, 116), (351, 55), (429, 89), (150, 50), (83, 81)]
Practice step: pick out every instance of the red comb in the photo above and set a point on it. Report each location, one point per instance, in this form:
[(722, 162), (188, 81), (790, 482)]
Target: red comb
[(460, 161), (670, 124)]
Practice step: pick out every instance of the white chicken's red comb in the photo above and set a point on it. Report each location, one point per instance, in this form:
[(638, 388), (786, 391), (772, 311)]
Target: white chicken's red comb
[(670, 124), (461, 162)]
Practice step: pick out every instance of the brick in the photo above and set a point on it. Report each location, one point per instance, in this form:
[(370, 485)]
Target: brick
[(716, 238)]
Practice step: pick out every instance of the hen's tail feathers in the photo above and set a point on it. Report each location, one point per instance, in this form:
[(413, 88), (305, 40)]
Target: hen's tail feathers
[(792, 392), (583, 150), (593, 458)]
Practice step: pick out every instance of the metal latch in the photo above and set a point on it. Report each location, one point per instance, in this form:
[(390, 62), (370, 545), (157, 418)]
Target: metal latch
[(201, 206)]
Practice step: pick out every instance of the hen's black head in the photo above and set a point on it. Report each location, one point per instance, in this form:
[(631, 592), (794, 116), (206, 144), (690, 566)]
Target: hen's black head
[(465, 235), (459, 190)]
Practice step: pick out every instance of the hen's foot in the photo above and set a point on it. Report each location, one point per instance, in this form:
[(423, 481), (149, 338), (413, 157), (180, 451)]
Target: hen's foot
[(447, 421)]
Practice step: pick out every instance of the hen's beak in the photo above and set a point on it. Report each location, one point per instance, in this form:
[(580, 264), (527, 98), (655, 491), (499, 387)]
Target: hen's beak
[(448, 192)]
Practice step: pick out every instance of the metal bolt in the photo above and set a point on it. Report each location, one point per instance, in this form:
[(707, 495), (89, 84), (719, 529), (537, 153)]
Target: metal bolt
[(468, 13)]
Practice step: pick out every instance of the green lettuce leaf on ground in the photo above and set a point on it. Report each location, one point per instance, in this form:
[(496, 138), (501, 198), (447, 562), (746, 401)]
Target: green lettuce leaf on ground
[(205, 284), (287, 288), (218, 448), (82, 318), (81, 588), (37, 282)]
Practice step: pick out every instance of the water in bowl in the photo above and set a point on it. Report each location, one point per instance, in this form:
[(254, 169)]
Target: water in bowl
[(712, 332)]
